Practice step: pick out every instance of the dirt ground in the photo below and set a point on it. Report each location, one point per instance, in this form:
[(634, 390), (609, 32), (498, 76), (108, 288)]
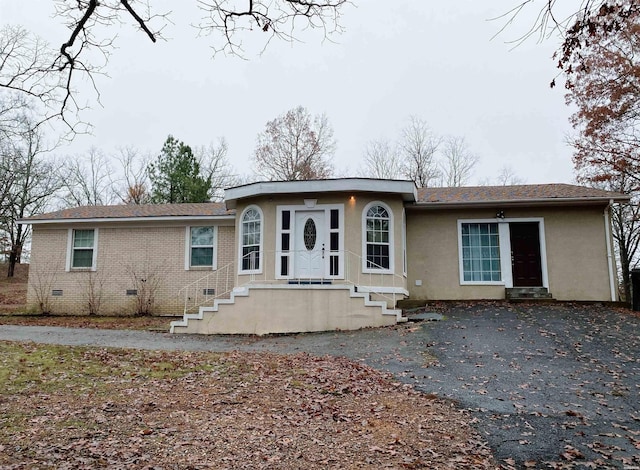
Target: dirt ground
[(13, 291), (108, 323)]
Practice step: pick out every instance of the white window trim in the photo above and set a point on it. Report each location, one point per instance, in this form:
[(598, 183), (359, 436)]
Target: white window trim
[(327, 208), (94, 260), (404, 242), (392, 247), (187, 250), (505, 251), (240, 245)]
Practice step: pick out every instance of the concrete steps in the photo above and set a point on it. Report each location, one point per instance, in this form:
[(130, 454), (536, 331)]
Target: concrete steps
[(283, 308), (528, 293)]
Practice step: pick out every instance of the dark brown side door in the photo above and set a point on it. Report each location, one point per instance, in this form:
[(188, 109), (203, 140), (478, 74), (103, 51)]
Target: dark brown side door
[(525, 254)]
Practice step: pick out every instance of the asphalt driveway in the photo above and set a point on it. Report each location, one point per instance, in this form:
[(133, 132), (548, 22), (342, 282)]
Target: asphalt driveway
[(545, 384)]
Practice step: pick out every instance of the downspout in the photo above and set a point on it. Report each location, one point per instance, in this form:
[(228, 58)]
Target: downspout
[(607, 235)]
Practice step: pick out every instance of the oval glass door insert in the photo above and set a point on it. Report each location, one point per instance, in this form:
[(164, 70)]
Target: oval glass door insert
[(309, 234)]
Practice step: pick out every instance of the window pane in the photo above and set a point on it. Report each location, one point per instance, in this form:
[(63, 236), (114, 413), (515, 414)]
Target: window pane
[(286, 220), (250, 238), (378, 238), (480, 252), (333, 265), (250, 258), (83, 238), (82, 259), (333, 244), (285, 242), (334, 219), (284, 265), (378, 256), (251, 214), (201, 256), (201, 236)]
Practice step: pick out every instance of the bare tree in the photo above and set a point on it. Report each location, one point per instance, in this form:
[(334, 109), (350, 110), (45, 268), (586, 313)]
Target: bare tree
[(625, 222), (216, 168), (32, 185), (419, 146), (295, 146), (508, 177), (457, 162), (27, 71), (382, 160), (30, 66), (87, 182), (505, 177), (15, 110), (133, 186), (8, 176)]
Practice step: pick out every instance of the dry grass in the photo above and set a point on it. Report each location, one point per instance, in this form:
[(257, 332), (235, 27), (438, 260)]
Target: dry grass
[(72, 407)]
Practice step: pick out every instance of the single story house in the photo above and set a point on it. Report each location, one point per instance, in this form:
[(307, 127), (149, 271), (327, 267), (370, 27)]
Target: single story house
[(317, 255)]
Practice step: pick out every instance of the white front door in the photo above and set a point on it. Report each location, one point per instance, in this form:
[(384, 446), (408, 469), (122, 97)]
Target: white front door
[(310, 245)]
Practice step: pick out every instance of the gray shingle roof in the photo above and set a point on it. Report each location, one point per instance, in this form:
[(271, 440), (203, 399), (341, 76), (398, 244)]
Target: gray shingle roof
[(428, 197), (521, 193), (207, 209)]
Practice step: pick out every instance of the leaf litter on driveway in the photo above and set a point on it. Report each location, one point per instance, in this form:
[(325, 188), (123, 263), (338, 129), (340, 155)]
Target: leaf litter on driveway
[(547, 386)]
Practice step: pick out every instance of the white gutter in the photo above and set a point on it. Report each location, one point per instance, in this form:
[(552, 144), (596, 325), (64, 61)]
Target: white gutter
[(102, 220), (512, 202), (607, 235)]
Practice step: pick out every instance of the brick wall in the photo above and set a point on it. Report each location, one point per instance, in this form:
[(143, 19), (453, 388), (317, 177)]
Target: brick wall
[(142, 258)]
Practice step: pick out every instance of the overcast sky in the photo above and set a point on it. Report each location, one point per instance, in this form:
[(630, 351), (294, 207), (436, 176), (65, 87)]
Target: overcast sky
[(434, 60)]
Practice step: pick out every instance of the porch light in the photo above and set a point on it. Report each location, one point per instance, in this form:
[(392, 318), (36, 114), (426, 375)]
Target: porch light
[(500, 215)]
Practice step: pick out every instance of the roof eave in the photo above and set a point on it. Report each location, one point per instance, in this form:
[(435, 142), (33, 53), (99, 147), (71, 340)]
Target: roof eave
[(521, 203), (95, 220), (406, 189)]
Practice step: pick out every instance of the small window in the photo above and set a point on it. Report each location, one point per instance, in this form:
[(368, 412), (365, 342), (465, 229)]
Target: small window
[(251, 240), (286, 238), (83, 247), (335, 217), (286, 220), (202, 246), (480, 252), (378, 238), (310, 234), (284, 266)]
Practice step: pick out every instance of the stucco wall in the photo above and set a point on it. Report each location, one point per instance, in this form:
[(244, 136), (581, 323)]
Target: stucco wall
[(291, 310), (575, 252), (353, 209), (151, 252)]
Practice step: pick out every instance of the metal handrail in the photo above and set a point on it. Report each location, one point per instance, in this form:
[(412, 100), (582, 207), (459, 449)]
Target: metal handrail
[(352, 274), (222, 280)]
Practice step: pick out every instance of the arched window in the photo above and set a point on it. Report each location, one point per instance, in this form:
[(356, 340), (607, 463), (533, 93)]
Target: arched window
[(378, 238), (251, 240)]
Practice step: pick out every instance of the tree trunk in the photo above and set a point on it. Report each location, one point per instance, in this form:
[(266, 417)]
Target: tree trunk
[(14, 257), (626, 275)]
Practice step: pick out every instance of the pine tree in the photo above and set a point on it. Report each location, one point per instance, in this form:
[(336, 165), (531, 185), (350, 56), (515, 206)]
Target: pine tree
[(175, 175)]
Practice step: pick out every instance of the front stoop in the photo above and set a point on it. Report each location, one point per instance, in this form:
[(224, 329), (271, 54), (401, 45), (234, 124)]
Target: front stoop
[(281, 308), (528, 293)]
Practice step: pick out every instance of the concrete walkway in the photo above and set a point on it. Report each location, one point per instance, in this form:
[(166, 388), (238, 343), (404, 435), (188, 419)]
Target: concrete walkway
[(545, 383)]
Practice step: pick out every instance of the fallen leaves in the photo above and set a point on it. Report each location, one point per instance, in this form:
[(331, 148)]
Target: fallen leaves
[(128, 408), (82, 321)]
